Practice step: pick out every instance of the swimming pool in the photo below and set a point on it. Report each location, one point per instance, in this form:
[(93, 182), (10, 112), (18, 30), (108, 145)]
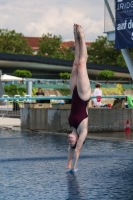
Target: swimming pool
[(32, 166)]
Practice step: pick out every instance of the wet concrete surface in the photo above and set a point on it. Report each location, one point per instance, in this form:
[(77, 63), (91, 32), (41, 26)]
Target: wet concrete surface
[(14, 123), (9, 122)]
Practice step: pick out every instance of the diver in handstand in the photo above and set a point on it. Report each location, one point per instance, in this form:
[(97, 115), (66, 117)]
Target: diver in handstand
[(81, 92)]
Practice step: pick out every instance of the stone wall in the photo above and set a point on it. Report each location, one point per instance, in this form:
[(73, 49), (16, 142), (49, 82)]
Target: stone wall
[(56, 120), (34, 119), (107, 119)]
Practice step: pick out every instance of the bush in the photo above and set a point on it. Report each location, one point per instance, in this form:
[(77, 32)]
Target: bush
[(120, 87), (107, 74), (12, 90), (22, 91), (112, 91), (65, 91), (22, 73), (34, 90)]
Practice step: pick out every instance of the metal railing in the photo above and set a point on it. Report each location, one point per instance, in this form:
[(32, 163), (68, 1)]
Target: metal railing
[(109, 15), (26, 99), (11, 106), (58, 83)]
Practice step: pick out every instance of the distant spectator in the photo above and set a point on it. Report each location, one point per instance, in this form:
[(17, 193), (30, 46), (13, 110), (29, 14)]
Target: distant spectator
[(39, 92), (42, 91), (97, 93)]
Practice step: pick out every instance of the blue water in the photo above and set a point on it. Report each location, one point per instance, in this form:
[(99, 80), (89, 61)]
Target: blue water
[(32, 166)]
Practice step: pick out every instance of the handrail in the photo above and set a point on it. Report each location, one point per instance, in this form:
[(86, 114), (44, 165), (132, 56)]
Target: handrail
[(59, 97), (111, 96)]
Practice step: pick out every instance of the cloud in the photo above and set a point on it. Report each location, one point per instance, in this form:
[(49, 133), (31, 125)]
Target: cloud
[(34, 18)]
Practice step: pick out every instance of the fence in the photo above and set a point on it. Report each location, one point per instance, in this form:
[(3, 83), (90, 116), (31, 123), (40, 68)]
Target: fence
[(10, 107), (67, 86)]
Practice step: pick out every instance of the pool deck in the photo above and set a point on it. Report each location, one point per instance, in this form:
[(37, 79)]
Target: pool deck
[(14, 124)]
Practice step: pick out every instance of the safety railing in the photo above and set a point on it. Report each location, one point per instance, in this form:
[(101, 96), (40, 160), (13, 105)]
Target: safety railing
[(54, 97), (10, 107)]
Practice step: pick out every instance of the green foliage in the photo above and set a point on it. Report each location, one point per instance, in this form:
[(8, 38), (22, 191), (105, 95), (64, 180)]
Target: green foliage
[(66, 54), (120, 61), (21, 91), (13, 42), (12, 90), (22, 73), (120, 87), (50, 46), (103, 52), (111, 91), (107, 74), (64, 75), (34, 90), (64, 92)]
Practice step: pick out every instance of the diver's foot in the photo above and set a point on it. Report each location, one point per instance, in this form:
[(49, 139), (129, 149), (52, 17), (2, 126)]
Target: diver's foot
[(68, 171), (71, 170), (75, 31), (80, 32), (68, 167), (74, 170)]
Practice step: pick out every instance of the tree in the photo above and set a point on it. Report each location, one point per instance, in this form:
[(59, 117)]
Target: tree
[(12, 90), (66, 54), (22, 73), (64, 76), (50, 46), (107, 74), (13, 42), (103, 52), (121, 61)]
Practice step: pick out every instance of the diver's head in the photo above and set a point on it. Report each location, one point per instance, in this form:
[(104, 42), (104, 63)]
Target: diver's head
[(72, 139)]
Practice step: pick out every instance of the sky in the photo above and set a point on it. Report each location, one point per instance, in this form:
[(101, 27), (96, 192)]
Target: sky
[(34, 18)]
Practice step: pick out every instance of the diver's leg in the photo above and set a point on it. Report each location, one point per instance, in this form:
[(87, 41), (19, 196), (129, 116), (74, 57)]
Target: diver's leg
[(70, 157), (83, 83), (82, 132), (74, 72)]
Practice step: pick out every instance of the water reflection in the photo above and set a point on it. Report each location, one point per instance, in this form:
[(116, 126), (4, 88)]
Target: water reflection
[(128, 136), (117, 136), (74, 190)]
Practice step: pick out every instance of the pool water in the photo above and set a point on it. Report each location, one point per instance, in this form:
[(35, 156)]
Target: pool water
[(32, 166)]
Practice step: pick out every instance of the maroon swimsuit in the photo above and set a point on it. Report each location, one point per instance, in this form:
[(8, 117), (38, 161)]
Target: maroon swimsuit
[(78, 110)]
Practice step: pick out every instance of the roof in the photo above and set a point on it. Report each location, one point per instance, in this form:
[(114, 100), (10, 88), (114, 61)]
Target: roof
[(68, 45), (71, 44), (34, 43)]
